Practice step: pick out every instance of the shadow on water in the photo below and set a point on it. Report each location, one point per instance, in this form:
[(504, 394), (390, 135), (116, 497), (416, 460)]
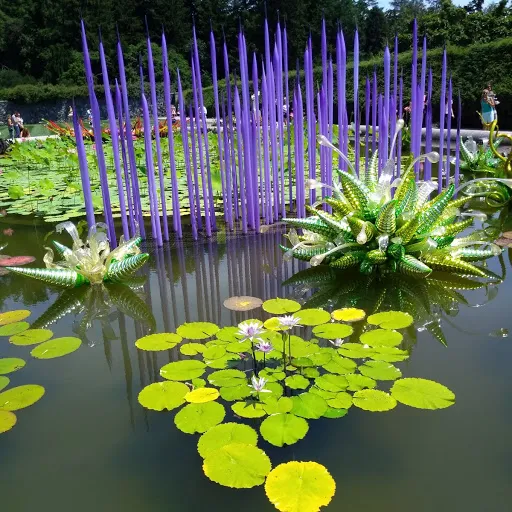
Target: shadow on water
[(89, 445)]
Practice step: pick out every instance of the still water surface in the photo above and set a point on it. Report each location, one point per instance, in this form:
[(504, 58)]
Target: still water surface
[(89, 446)]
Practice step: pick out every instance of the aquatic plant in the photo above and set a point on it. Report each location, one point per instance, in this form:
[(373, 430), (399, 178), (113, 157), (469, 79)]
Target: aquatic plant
[(89, 262), (294, 380)]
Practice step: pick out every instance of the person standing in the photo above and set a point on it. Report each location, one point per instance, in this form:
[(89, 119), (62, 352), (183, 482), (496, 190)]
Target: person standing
[(16, 125), (488, 103), (10, 127)]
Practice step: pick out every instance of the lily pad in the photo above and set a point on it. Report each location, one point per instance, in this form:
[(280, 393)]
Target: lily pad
[(163, 395), (227, 378), (233, 393), (7, 421), (10, 364), (300, 487), (242, 303), (333, 413), (4, 382), (9, 317), (212, 353), (297, 382), (283, 428), (340, 365), (224, 361), (20, 397), (192, 349), (422, 393), (280, 306), (380, 370), (355, 351), (273, 406), (237, 465), (15, 328), (229, 333), (31, 337), (249, 409), (202, 395), (348, 315), (389, 354), (199, 417), (224, 434), (309, 406), (157, 342), (342, 400), (183, 370), (378, 337), (197, 330), (313, 316), (357, 382), (391, 319), (373, 400), (57, 347), (332, 331), (329, 382)]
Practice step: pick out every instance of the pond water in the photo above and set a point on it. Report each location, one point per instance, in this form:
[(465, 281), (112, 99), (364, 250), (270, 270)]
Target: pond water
[(89, 445)]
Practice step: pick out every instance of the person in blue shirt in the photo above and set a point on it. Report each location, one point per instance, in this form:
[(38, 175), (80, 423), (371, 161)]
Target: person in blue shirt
[(488, 103)]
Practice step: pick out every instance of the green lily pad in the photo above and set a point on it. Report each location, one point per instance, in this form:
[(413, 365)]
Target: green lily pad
[(311, 373), (223, 362), (199, 417), (296, 382), (313, 316), (224, 434), (234, 393), (389, 354), (356, 351), (380, 370), (237, 465), (31, 337), (10, 364), (322, 356), (342, 400), (340, 365), (15, 328), (248, 409), (422, 393), (333, 413), (237, 347), (302, 362), (198, 383), (202, 395), (391, 319), (379, 337), (7, 421), (273, 406), (283, 428), (227, 378), (197, 330), (373, 400), (183, 370), (192, 349), (357, 382), (309, 406), (229, 334), (4, 382), (348, 314), (57, 347), (157, 342), (212, 353), (333, 331), (280, 306), (10, 317), (330, 382), (163, 395), (20, 397)]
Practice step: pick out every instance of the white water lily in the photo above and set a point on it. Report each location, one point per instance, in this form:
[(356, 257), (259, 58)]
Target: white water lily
[(289, 321), (250, 331), (337, 342), (258, 385)]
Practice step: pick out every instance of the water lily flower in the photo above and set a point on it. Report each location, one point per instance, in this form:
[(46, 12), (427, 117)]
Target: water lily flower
[(250, 331), (258, 385), (337, 342), (8, 232), (289, 321), (265, 346)]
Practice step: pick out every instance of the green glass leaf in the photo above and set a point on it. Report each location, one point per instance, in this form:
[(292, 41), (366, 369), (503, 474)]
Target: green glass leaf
[(283, 428), (31, 337), (389, 354), (197, 330), (7, 421), (224, 434), (309, 406), (10, 317), (342, 400), (273, 405), (15, 328), (373, 400), (333, 331), (156, 342), (422, 393), (183, 370), (280, 306), (340, 365), (379, 337), (380, 370), (57, 347), (4, 382), (231, 394), (192, 349), (212, 353), (335, 413), (296, 382), (330, 382), (237, 465), (391, 319), (300, 487), (227, 378), (10, 364), (313, 316), (199, 417), (20, 397), (249, 409), (357, 382), (163, 395), (355, 351)]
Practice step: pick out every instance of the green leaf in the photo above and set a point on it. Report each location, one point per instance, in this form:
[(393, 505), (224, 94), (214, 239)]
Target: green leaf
[(380, 370), (355, 351), (4, 382), (342, 400), (183, 370), (229, 334), (273, 406), (280, 306), (311, 373), (197, 330), (202, 395), (227, 378), (15, 328), (31, 337), (296, 382), (422, 393), (224, 434), (198, 383), (322, 356), (7, 421), (340, 365), (335, 413), (192, 349), (389, 354), (234, 393), (313, 316), (329, 382), (357, 382), (373, 400), (238, 347), (199, 417), (333, 331), (163, 395), (249, 409), (391, 319), (9, 317), (157, 342), (20, 397), (237, 465), (283, 428), (223, 362), (378, 337), (212, 353), (10, 364), (348, 314), (302, 362), (300, 487), (57, 347), (309, 406)]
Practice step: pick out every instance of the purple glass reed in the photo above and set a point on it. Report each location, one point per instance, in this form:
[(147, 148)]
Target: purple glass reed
[(414, 81), (330, 121), (341, 67), (399, 139), (395, 74), (367, 104), (448, 132), (441, 123), (278, 70), (194, 128), (374, 110), (241, 162), (458, 142), (357, 147), (385, 117), (227, 167), (299, 153), (428, 127), (310, 116), (279, 116), (256, 148), (273, 139), (287, 105), (267, 198)]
